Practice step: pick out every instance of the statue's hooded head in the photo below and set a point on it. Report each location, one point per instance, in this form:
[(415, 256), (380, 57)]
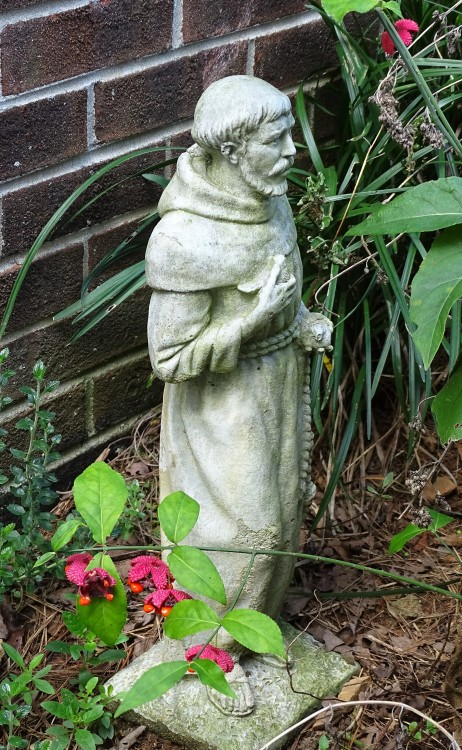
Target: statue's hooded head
[(247, 121)]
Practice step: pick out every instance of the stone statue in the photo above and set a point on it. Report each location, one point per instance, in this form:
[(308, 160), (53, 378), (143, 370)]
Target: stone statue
[(229, 335)]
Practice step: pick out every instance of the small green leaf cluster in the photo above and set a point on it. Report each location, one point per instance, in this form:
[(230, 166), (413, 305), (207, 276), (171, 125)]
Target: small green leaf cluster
[(90, 651), (399, 540), (17, 693), (29, 482), (77, 712)]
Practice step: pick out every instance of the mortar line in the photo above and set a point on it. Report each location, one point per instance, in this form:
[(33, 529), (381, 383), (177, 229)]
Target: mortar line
[(49, 8), (91, 124), (249, 67), (177, 24)]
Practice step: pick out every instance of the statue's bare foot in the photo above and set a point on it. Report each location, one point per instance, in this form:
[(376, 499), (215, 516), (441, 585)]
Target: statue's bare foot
[(244, 704)]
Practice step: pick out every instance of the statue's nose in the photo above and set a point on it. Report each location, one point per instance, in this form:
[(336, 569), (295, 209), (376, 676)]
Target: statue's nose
[(288, 147)]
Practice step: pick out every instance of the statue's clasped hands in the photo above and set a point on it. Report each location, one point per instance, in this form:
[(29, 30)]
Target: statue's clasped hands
[(276, 292)]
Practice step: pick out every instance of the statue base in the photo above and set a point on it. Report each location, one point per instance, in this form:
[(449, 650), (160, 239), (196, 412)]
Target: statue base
[(185, 715)]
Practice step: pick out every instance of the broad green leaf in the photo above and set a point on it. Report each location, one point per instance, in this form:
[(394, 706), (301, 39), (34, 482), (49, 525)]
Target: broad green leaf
[(56, 709), (44, 559), (43, 685), (60, 743), (84, 739), (424, 208), (188, 617), (152, 684), (339, 8), (178, 514), (255, 631), (64, 533), (99, 495), (398, 541), (436, 286), (105, 619), (447, 408), (211, 674), (195, 571)]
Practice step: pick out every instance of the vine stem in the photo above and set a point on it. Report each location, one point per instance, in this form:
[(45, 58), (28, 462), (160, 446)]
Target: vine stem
[(303, 556), (395, 704)]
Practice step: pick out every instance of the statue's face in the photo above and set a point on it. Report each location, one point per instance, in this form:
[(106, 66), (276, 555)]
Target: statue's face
[(268, 156)]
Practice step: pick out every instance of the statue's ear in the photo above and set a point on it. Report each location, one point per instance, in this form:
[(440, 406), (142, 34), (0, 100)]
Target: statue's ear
[(230, 151)]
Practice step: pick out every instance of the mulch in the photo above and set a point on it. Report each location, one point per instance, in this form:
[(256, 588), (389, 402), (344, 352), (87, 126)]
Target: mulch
[(408, 645)]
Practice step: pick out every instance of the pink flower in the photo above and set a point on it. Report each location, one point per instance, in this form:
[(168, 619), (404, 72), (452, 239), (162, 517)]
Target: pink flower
[(220, 657), (405, 28), (97, 584), (164, 598), (151, 571), (75, 567)]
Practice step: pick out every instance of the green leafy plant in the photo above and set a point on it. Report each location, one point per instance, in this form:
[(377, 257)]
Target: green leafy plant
[(77, 712), (17, 692), (30, 483), (90, 651)]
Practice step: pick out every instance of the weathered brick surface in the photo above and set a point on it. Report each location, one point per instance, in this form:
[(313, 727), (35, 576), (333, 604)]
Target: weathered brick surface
[(69, 422), (6, 5), (42, 133), (203, 19), (55, 47), (287, 57), (122, 331), (51, 284), (166, 93), (122, 392), (27, 210)]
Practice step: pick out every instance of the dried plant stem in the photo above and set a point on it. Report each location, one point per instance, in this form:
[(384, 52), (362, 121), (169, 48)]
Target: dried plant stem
[(347, 704)]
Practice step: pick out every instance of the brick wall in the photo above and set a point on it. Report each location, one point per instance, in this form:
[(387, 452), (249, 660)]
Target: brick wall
[(81, 83)]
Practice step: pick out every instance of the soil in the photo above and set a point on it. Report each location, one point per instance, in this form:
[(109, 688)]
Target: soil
[(407, 642)]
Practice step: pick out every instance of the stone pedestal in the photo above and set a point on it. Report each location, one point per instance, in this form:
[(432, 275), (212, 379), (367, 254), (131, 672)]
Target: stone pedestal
[(185, 716)]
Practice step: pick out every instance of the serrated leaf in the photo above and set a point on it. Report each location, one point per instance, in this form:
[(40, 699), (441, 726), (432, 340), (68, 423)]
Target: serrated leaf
[(435, 287), (152, 684), (64, 533), (339, 8), (106, 619), (433, 205), (255, 630), (211, 674), (178, 514), (56, 709), (99, 496), (195, 571), (84, 739), (188, 617), (447, 408)]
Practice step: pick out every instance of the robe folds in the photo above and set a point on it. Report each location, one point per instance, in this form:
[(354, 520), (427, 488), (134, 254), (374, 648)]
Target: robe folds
[(235, 424)]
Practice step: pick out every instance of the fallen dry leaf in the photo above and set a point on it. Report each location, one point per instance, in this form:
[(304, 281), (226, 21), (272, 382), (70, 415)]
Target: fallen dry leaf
[(353, 688), (406, 606), (442, 484)]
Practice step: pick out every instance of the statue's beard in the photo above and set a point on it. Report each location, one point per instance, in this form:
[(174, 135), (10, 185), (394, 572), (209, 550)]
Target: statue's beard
[(274, 184)]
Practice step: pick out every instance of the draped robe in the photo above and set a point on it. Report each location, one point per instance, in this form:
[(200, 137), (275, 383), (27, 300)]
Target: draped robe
[(235, 431)]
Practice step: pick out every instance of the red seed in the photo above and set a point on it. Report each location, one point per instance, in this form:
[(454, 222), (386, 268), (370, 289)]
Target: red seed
[(149, 608), (136, 587), (165, 611), (109, 597), (84, 601)]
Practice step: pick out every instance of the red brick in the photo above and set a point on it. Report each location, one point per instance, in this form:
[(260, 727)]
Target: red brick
[(42, 133), (122, 331), (288, 57), (27, 210), (203, 19), (51, 284), (122, 391), (6, 5), (55, 47), (158, 96)]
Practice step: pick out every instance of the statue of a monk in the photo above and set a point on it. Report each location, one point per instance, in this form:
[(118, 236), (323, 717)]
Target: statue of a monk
[(229, 335)]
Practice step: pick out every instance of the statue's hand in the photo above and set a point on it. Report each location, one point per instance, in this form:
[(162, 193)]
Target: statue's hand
[(273, 297), (315, 332)]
